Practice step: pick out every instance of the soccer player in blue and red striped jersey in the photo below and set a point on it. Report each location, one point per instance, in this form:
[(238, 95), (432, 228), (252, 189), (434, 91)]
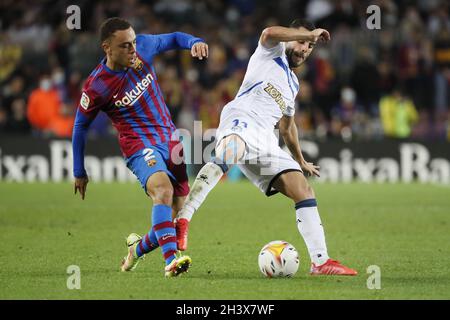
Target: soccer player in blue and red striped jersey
[(124, 86)]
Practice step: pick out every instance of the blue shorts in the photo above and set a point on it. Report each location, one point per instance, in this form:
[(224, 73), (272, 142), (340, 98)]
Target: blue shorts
[(145, 162)]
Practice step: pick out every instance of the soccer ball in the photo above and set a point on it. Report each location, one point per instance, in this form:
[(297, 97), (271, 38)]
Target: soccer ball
[(278, 259)]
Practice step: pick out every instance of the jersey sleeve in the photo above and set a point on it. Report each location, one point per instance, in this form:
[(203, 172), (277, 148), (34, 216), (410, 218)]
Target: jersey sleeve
[(154, 44), (79, 135), (90, 102), (88, 108), (270, 53)]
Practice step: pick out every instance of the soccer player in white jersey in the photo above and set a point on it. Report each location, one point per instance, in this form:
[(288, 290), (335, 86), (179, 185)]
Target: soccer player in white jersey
[(246, 137)]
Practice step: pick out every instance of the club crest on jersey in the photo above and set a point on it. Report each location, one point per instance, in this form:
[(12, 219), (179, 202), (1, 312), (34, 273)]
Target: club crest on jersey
[(138, 64), (149, 157), (84, 101), (133, 95), (276, 95)]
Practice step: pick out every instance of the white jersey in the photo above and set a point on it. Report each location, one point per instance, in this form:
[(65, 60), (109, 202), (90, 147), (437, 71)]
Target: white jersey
[(269, 88), (267, 93)]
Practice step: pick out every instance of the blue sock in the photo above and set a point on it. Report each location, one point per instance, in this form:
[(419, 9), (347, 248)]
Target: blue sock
[(165, 231), (147, 244)]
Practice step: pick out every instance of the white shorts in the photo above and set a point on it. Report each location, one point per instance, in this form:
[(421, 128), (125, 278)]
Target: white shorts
[(264, 161)]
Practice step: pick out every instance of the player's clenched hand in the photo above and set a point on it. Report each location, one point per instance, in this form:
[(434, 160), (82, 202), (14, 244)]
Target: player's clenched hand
[(81, 186), (321, 34), (200, 50), (310, 168)]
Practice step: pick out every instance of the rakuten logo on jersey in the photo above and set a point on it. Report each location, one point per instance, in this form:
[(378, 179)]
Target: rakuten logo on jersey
[(133, 95)]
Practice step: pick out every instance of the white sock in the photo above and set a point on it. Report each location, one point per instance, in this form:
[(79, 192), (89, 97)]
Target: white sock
[(206, 180), (310, 227)]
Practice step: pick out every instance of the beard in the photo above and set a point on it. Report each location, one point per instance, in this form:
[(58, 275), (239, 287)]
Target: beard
[(290, 54)]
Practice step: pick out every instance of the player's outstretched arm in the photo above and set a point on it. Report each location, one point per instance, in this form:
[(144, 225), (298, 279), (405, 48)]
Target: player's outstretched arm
[(177, 40), (289, 132), (271, 36)]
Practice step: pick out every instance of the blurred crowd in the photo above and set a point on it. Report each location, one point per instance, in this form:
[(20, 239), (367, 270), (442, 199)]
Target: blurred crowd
[(364, 84)]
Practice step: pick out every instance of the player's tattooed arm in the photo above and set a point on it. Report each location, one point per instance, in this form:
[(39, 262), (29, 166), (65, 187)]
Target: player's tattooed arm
[(289, 132), (271, 36)]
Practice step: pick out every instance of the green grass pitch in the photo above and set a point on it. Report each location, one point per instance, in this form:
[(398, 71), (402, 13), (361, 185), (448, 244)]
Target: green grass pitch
[(403, 229)]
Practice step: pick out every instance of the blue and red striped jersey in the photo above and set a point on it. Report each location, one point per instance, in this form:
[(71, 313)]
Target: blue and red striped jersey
[(131, 98)]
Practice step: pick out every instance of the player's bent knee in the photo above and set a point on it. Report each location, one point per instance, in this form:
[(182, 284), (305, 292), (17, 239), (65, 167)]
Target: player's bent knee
[(163, 195), (230, 149)]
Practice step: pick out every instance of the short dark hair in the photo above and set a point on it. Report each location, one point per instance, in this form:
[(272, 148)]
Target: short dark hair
[(111, 25), (297, 23)]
